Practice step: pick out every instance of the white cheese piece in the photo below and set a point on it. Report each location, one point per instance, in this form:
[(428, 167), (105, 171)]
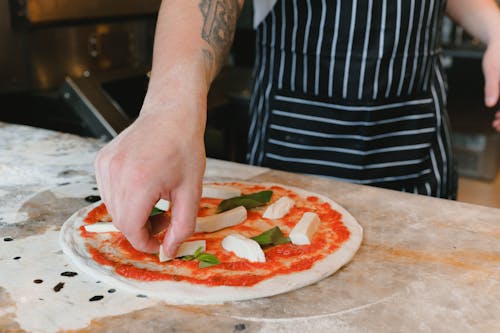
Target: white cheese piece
[(304, 231), (185, 249), (163, 205), (279, 208), (244, 248), (223, 220), (162, 257), (220, 192), (101, 227)]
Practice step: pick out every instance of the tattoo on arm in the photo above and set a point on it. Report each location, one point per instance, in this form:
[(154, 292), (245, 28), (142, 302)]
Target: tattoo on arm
[(219, 23)]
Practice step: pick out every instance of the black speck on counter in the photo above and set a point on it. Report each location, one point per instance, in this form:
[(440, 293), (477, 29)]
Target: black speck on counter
[(37, 281), (58, 286), (141, 296), (239, 327), (111, 291), (94, 188), (96, 298), (92, 198), (8, 239), (64, 184), (16, 258), (69, 274)]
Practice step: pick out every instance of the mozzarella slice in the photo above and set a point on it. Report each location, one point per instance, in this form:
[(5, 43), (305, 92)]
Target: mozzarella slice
[(304, 231), (220, 192), (186, 249), (163, 205), (279, 208), (101, 227), (244, 247), (223, 220)]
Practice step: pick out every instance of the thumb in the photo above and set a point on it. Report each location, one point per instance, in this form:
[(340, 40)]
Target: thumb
[(184, 211), (492, 84)]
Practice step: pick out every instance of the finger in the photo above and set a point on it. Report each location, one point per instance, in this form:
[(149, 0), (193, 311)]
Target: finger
[(131, 218), (491, 86), (159, 223), (140, 236), (99, 167), (141, 239), (496, 121), (184, 211)]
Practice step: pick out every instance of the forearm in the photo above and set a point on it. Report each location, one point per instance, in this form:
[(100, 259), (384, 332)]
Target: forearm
[(191, 42), (480, 18)]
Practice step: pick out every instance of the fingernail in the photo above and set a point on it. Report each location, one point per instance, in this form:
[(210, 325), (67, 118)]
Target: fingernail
[(490, 100)]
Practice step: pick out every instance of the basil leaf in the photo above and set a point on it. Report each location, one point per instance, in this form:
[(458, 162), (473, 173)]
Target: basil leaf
[(271, 237), (204, 264), (205, 259), (248, 201), (156, 211), (208, 258), (198, 252)]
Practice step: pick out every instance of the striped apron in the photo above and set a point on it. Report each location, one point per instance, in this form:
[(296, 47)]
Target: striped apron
[(353, 90)]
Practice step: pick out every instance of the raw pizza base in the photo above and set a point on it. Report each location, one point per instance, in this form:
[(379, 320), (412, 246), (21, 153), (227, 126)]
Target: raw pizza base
[(180, 292)]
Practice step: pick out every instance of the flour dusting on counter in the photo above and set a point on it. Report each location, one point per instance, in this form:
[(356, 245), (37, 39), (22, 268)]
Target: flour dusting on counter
[(12, 175), (436, 260), (34, 160), (45, 287)]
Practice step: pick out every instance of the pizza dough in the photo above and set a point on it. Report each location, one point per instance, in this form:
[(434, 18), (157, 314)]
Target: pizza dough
[(181, 292)]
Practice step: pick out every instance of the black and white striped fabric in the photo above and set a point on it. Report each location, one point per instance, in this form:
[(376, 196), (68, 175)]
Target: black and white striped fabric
[(353, 90)]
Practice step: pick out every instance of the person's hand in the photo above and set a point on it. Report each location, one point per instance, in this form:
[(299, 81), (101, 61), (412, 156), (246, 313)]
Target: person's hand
[(161, 155), (491, 70)]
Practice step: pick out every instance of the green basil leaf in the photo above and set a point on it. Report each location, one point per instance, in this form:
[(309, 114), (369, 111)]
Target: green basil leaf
[(156, 211), (205, 259), (271, 237), (198, 252), (248, 201), (204, 264), (208, 258)]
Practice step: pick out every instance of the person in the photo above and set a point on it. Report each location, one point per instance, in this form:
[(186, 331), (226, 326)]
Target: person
[(348, 89)]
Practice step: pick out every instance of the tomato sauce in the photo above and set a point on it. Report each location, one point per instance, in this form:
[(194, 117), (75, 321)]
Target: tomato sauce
[(99, 257), (281, 259), (96, 214)]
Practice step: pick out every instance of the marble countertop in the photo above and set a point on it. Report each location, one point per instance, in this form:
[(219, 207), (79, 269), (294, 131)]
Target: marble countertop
[(425, 265)]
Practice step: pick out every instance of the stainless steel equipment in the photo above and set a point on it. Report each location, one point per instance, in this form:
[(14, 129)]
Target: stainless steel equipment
[(50, 11), (92, 56), (43, 41)]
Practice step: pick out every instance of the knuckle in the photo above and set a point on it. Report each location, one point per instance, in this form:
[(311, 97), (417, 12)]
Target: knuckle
[(102, 160), (116, 162), (137, 177)]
